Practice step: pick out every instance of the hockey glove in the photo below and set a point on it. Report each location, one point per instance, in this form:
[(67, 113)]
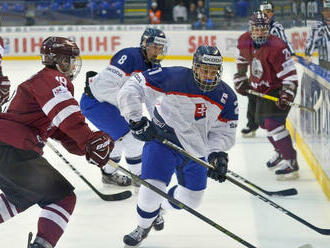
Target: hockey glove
[(219, 160), (287, 95), (4, 89), (143, 130), (241, 83), (90, 74), (98, 148)]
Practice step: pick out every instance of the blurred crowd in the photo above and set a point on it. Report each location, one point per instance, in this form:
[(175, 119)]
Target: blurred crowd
[(194, 12)]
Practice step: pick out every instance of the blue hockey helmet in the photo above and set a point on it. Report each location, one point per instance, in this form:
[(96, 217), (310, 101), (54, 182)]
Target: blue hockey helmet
[(154, 44), (259, 26), (207, 67)]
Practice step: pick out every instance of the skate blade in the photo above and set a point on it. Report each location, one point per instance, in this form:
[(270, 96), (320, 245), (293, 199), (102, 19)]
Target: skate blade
[(249, 135), (288, 177), (129, 246), (306, 246), (274, 167)]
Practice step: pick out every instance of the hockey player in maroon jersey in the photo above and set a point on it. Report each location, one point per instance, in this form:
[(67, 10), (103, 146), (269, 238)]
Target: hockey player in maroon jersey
[(4, 82), (43, 107), (272, 72)]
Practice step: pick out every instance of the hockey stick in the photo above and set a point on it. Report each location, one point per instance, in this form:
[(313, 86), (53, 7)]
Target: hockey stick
[(181, 205), (285, 192), (275, 99), (237, 183), (111, 197)]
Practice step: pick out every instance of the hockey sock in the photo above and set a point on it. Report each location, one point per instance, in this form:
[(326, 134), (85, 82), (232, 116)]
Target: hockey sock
[(134, 165), (149, 203), (280, 137), (7, 209), (189, 197), (108, 169), (54, 218)]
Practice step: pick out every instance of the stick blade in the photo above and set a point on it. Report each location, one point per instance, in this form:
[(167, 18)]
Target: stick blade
[(116, 197), (306, 246), (286, 192)]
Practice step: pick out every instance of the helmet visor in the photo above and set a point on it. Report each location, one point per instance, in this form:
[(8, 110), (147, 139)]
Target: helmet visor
[(157, 49)]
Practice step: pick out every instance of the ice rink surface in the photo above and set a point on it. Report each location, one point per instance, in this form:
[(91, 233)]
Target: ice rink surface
[(99, 224)]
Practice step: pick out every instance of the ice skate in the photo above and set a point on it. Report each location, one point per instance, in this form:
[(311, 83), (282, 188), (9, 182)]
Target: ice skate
[(115, 179), (288, 171), (135, 238), (158, 223), (38, 242), (249, 132), (275, 160)]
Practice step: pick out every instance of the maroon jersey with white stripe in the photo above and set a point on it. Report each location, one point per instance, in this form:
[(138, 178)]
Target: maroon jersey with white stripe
[(271, 65), (41, 106)]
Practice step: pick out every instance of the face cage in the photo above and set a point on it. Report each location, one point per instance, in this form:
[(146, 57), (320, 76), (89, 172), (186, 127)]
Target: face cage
[(70, 69), (257, 39), (203, 85)]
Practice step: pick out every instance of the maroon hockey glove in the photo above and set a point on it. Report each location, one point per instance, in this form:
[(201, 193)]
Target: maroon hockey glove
[(98, 148), (241, 83), (286, 96), (219, 160), (4, 89)]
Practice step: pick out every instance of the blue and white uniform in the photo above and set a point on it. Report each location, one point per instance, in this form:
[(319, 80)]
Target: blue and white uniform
[(200, 122), (277, 30), (319, 37), (100, 106)]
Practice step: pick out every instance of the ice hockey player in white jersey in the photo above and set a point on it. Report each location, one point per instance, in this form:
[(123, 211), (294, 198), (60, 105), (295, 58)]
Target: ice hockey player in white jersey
[(99, 101), (194, 109)]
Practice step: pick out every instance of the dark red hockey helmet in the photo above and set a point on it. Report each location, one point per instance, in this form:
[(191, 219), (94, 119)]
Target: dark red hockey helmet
[(259, 26), (61, 53)]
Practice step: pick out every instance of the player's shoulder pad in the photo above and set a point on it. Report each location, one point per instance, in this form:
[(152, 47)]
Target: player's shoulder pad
[(130, 52), (228, 90), (49, 80), (244, 40), (167, 78), (276, 42)]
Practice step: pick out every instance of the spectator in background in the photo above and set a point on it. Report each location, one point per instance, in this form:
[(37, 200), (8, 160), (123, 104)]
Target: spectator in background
[(30, 15), (154, 14), (303, 9), (319, 38), (180, 13), (200, 9), (228, 15), (294, 9), (242, 8), (192, 12), (204, 23), (166, 7)]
